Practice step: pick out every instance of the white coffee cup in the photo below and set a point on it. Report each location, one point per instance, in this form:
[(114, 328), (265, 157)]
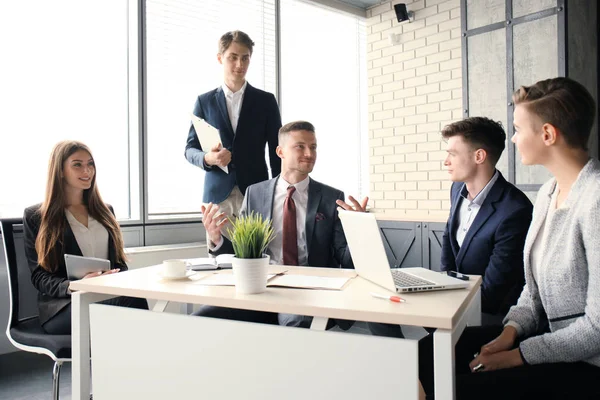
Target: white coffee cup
[(174, 268)]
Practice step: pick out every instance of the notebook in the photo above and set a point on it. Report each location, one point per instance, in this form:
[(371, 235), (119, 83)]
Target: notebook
[(222, 261)]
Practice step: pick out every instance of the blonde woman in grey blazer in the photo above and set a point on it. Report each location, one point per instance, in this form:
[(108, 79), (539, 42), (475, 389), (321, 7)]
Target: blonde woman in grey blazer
[(549, 346)]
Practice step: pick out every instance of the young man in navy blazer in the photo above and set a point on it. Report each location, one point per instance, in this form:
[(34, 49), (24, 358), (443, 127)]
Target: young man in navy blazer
[(489, 219), (247, 119)]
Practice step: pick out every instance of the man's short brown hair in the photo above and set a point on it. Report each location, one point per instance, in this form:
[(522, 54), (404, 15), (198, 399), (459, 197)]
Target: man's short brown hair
[(480, 133), (563, 103), (294, 126), (235, 36)]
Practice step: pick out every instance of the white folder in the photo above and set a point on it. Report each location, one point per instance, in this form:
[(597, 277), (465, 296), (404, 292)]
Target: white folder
[(208, 136)]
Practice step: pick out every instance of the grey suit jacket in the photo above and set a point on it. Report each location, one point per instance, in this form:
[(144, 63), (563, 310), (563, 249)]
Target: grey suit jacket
[(567, 292), (326, 242)]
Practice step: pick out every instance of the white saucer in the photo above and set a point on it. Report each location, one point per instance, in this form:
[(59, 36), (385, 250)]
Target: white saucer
[(176, 278)]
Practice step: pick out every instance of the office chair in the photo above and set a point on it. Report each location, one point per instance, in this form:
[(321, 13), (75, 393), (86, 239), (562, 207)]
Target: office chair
[(27, 333)]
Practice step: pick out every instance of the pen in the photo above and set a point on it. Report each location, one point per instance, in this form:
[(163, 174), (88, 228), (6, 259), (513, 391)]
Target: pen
[(395, 299)]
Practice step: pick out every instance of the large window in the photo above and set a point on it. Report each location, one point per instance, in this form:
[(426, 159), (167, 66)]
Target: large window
[(324, 81), (181, 63), (64, 77)]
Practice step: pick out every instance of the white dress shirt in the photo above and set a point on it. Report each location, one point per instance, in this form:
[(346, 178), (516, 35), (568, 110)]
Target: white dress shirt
[(538, 247), (234, 104), (93, 239), (469, 209), (300, 197)]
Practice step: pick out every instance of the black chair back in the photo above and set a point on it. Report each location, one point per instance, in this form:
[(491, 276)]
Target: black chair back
[(8, 237)]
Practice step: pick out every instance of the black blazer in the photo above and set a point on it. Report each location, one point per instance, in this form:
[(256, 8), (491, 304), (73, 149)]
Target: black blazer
[(493, 247), (325, 239), (258, 125), (53, 287)]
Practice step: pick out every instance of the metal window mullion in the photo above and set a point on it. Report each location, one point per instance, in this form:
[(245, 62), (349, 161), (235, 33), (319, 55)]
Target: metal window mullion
[(465, 57), (143, 118), (562, 37), (510, 82)]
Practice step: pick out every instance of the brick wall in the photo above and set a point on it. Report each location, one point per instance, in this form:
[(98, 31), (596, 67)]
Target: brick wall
[(415, 88)]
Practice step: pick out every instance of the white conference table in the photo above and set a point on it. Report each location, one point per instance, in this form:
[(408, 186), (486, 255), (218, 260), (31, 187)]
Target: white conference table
[(449, 311)]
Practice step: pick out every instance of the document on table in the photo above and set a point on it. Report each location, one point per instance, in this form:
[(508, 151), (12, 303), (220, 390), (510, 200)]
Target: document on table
[(283, 280), (208, 135)]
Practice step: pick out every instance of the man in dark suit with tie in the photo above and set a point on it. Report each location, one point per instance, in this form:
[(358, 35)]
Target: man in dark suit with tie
[(304, 216), (247, 119), (489, 218)]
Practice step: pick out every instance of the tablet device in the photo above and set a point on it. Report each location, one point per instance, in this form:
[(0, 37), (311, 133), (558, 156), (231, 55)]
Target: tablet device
[(78, 266)]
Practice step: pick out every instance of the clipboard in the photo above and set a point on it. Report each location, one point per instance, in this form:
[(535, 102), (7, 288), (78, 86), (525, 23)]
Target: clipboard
[(208, 135)]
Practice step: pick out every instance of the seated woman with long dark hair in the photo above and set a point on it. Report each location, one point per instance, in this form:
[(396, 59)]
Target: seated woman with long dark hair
[(73, 219)]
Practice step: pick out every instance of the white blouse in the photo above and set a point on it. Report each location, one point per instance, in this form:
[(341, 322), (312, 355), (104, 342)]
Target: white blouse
[(93, 239)]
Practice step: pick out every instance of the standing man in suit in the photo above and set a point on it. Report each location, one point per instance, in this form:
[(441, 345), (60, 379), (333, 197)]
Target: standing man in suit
[(489, 219), (247, 119), (311, 234)]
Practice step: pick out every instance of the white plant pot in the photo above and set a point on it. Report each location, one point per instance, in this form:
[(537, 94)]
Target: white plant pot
[(250, 274)]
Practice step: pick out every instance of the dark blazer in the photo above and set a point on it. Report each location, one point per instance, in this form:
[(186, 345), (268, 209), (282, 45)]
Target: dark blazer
[(258, 125), (493, 246), (326, 242), (53, 287)]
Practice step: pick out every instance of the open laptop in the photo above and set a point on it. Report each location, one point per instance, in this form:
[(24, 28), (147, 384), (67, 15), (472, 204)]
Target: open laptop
[(78, 266), (370, 261)]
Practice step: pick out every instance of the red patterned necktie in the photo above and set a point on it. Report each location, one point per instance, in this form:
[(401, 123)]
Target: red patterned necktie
[(290, 234)]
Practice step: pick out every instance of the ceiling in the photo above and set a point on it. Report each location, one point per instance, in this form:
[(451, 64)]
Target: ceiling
[(364, 4)]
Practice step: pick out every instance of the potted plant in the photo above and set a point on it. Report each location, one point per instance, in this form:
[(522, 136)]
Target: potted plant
[(250, 236)]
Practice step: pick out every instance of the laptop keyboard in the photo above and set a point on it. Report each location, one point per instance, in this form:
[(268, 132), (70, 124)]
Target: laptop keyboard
[(402, 279)]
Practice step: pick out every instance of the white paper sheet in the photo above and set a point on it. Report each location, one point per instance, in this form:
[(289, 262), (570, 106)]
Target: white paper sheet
[(208, 135)]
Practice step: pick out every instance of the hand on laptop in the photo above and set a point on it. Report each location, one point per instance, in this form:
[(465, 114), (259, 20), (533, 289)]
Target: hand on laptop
[(95, 274), (356, 206), (213, 220)]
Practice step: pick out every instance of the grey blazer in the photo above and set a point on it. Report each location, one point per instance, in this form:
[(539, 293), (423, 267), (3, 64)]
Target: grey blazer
[(325, 239), (567, 293)]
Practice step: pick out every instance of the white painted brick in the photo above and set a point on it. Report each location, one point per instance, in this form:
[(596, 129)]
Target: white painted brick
[(380, 44), (425, 51), (438, 18), (394, 49), (376, 161), (418, 138), (405, 148), (428, 69), (430, 185), (405, 74), (405, 129), (438, 175), (374, 37), (439, 96), (380, 62), (438, 57), (373, 90), (429, 127), (414, 6), (440, 37), (414, 101), (451, 105), (376, 178), (391, 105), (381, 80), (382, 26), (434, 87), (437, 194), (457, 93), (457, 114), (404, 56), (433, 2), (375, 142), (439, 77), (394, 195), (446, 184), (396, 158), (406, 167), (406, 185), (457, 73), (409, 92), (383, 97), (384, 132), (413, 26), (415, 119), (429, 204), (375, 125), (437, 155), (450, 64), (382, 151), (383, 169), (429, 166), (393, 68), (373, 72), (393, 85), (416, 157), (380, 9), (449, 25), (457, 53), (448, 5), (425, 12), (383, 115), (455, 13), (373, 20), (436, 136), (427, 31), (375, 107), (393, 122), (406, 204), (417, 195), (385, 203), (427, 108), (451, 84), (455, 33), (375, 195), (404, 111), (415, 44), (450, 44), (389, 15), (429, 146), (418, 81), (414, 63), (439, 116), (416, 176)]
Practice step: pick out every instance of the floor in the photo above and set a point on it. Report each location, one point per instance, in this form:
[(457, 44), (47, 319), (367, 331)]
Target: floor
[(28, 376)]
